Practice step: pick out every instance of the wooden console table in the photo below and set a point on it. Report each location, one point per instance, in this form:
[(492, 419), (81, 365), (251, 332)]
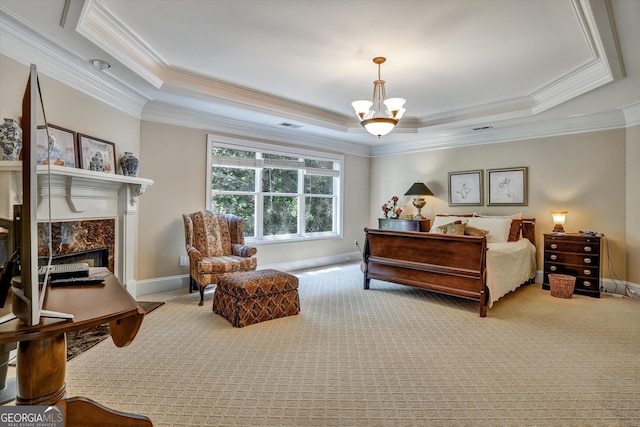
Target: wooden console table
[(42, 349)]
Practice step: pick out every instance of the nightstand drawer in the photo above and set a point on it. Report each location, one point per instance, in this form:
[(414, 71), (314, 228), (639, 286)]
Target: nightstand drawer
[(573, 270), (571, 246), (569, 258)]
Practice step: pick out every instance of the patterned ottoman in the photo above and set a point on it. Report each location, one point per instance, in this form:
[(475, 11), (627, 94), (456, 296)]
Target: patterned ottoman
[(256, 296)]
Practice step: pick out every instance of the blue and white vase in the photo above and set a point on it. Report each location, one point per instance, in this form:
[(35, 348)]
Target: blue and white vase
[(96, 163), (10, 140), (129, 164)]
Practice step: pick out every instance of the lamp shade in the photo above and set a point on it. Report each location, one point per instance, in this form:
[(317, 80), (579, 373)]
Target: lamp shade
[(559, 218), (418, 189), (362, 108), (379, 126)]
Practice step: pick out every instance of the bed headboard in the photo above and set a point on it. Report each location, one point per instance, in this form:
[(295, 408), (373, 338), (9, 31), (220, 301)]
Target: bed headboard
[(529, 229)]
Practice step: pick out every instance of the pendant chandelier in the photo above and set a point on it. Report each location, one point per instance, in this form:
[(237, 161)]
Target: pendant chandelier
[(380, 115)]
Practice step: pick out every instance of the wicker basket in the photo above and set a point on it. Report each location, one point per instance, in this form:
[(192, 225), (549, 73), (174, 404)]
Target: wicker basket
[(562, 285)]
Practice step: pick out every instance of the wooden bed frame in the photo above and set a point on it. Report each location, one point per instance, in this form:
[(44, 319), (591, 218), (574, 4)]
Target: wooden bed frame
[(448, 264)]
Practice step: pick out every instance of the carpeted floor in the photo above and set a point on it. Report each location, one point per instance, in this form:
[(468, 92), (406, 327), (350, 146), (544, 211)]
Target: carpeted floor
[(83, 340), (389, 356)]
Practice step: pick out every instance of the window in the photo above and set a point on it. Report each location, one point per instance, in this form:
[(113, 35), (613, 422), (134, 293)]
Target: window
[(283, 196)]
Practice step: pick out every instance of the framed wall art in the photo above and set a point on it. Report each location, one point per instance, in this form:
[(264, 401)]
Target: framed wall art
[(96, 154), (465, 188), (507, 187), (62, 143)]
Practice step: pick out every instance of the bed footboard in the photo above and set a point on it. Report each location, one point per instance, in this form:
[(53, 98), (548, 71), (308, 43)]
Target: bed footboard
[(452, 265)]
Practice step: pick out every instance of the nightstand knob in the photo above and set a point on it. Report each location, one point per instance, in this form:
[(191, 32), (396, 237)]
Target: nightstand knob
[(554, 257), (586, 283), (554, 246), (587, 272), (587, 260), (587, 248), (553, 268)]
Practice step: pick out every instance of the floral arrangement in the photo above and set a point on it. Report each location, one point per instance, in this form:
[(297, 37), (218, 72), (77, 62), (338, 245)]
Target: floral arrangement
[(391, 209)]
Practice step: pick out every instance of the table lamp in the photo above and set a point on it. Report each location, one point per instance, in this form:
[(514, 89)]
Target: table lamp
[(419, 189), (558, 220)]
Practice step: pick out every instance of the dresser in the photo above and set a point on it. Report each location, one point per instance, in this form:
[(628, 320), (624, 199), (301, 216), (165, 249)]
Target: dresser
[(404, 224), (576, 255)]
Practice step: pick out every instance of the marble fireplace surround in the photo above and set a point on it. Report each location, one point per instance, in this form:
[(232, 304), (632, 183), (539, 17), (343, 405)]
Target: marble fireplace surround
[(84, 197)]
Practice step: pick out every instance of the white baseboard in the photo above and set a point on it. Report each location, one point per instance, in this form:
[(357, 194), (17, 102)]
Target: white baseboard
[(303, 264), (162, 284), (171, 283)]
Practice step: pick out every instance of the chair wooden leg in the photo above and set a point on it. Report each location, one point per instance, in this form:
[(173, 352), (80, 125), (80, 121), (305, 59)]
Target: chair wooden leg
[(202, 294), (191, 283)]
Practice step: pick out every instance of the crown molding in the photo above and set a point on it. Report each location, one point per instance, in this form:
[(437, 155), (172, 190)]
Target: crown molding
[(24, 44), (188, 83), (222, 125), (632, 115), (102, 27), (510, 132)]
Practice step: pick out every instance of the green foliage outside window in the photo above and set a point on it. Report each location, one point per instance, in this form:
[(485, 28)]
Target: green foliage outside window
[(288, 187)]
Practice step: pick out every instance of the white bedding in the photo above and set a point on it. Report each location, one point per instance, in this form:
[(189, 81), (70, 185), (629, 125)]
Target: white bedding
[(508, 266)]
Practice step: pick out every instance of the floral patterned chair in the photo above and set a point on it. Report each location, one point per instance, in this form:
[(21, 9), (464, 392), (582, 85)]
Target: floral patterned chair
[(215, 245)]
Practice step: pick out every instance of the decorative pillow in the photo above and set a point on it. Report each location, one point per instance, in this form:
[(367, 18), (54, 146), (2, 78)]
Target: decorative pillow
[(443, 228), (476, 232), (453, 228), (498, 228), (440, 220), (514, 232)]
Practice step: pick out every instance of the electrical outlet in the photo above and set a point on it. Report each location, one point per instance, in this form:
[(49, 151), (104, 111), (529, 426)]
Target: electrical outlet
[(183, 261)]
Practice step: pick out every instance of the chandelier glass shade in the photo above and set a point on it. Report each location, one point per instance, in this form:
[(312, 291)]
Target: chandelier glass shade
[(380, 115)]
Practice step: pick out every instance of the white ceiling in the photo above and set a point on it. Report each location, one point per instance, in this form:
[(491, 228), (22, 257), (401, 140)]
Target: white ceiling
[(521, 68)]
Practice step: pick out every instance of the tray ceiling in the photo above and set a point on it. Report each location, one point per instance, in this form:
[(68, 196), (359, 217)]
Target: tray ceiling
[(253, 65)]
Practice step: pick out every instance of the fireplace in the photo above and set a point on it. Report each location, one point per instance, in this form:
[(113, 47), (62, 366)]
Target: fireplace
[(79, 240), (89, 210)]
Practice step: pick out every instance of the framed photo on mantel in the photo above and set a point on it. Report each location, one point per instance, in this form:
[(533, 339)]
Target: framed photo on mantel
[(96, 154), (61, 149)]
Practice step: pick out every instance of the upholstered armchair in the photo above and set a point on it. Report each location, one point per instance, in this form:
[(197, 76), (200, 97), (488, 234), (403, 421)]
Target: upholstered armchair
[(215, 245)]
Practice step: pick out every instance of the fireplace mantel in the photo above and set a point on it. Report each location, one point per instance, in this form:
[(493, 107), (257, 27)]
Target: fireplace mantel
[(78, 194)]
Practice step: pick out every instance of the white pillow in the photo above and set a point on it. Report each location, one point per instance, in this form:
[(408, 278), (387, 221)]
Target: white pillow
[(514, 216), (442, 220), (498, 228)]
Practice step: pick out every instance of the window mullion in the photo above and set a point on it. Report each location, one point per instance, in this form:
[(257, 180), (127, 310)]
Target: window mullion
[(259, 205)]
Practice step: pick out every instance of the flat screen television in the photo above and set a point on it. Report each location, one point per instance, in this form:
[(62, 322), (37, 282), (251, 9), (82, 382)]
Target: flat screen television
[(27, 293)]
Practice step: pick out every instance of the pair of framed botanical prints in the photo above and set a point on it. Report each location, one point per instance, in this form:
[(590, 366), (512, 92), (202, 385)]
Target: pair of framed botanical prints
[(505, 187), (72, 149)]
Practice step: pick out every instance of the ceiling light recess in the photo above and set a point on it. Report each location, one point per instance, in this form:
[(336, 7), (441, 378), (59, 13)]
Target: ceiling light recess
[(100, 64), (380, 115)]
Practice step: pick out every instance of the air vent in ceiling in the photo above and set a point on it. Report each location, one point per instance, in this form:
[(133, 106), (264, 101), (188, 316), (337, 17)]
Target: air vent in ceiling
[(483, 128), (290, 125)]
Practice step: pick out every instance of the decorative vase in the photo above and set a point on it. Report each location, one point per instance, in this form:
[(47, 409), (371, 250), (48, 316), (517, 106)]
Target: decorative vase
[(96, 163), (10, 140), (129, 164)]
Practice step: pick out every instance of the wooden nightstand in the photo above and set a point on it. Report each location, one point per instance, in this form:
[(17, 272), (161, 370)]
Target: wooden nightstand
[(576, 255)]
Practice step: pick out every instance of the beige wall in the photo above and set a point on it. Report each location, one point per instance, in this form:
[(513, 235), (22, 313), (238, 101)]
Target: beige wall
[(175, 158), (583, 174), (633, 204)]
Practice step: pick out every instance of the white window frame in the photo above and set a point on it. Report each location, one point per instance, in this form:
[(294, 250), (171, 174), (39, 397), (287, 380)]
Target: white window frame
[(239, 144)]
